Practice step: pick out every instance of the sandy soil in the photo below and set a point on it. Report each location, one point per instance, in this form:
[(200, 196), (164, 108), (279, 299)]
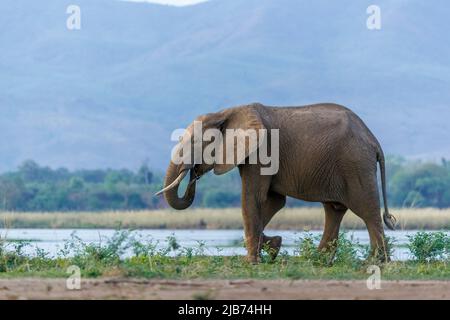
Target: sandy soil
[(114, 288)]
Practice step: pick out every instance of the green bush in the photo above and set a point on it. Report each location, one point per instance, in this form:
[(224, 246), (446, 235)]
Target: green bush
[(343, 251), (429, 246)]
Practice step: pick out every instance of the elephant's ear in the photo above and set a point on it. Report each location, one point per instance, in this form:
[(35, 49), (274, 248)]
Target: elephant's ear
[(240, 123)]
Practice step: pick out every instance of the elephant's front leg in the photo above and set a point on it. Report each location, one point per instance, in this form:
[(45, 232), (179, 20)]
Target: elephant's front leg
[(254, 193), (252, 229)]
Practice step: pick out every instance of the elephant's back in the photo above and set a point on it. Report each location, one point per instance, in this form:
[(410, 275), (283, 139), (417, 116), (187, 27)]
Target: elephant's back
[(321, 121), (312, 122), (321, 113), (322, 143)]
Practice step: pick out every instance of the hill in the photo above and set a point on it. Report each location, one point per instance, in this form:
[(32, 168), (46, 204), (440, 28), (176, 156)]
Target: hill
[(109, 95)]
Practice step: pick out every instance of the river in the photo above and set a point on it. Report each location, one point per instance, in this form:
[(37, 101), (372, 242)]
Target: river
[(215, 242)]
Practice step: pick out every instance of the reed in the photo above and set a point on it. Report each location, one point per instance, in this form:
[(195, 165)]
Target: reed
[(287, 219)]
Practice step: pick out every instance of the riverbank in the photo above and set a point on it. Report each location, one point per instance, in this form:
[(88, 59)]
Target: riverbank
[(127, 255), (286, 219)]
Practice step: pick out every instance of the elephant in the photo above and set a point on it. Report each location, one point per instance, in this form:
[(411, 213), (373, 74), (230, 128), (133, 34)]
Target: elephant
[(326, 154)]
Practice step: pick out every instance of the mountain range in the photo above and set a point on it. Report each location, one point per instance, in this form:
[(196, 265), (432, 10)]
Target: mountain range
[(110, 94)]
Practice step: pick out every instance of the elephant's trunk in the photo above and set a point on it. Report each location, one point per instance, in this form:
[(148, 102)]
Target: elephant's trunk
[(173, 174)]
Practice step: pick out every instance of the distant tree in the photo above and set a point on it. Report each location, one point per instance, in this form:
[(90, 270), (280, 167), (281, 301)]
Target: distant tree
[(12, 191), (29, 170), (114, 177), (394, 164), (144, 174), (445, 163), (421, 185), (135, 201), (221, 199), (33, 187), (76, 183), (92, 176)]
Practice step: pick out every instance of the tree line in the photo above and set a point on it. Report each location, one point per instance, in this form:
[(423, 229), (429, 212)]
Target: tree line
[(39, 188)]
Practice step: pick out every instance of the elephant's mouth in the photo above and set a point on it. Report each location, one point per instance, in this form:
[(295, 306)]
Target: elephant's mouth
[(196, 173), (194, 176)]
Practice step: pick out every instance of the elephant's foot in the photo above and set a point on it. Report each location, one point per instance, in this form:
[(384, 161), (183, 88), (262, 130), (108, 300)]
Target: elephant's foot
[(379, 255), (253, 259), (272, 245)]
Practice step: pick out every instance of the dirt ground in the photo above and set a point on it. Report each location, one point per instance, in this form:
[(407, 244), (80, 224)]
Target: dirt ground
[(114, 288)]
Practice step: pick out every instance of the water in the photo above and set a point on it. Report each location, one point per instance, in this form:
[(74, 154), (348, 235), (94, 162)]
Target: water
[(216, 242)]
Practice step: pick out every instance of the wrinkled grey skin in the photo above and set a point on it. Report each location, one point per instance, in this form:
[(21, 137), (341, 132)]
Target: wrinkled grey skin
[(326, 154)]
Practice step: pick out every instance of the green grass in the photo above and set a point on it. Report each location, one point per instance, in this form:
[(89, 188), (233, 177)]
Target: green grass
[(148, 260), (287, 219)]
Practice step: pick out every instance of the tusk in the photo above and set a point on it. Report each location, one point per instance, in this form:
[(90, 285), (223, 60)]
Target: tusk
[(173, 184)]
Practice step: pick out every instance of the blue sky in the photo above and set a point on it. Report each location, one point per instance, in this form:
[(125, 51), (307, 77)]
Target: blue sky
[(171, 2)]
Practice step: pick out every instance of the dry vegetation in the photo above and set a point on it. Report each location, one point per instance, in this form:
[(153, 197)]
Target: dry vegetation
[(288, 218)]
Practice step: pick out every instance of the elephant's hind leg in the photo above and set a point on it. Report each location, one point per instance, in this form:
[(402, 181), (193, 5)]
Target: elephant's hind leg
[(272, 205), (376, 233), (367, 207), (272, 245), (334, 212)]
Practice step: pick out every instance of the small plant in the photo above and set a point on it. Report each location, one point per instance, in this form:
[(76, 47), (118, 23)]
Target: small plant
[(307, 250), (15, 257), (384, 253), (390, 245), (200, 249), (429, 246), (172, 243), (143, 248), (266, 253), (107, 251), (343, 251), (348, 251)]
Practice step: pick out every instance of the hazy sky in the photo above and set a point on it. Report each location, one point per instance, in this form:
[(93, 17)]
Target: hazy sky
[(172, 2)]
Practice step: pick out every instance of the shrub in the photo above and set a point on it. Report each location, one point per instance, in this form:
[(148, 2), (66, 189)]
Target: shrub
[(429, 246), (343, 251)]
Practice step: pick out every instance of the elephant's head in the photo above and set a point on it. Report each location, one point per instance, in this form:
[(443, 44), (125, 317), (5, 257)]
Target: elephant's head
[(244, 118)]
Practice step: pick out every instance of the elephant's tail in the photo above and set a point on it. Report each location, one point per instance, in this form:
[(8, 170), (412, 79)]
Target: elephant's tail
[(389, 220)]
